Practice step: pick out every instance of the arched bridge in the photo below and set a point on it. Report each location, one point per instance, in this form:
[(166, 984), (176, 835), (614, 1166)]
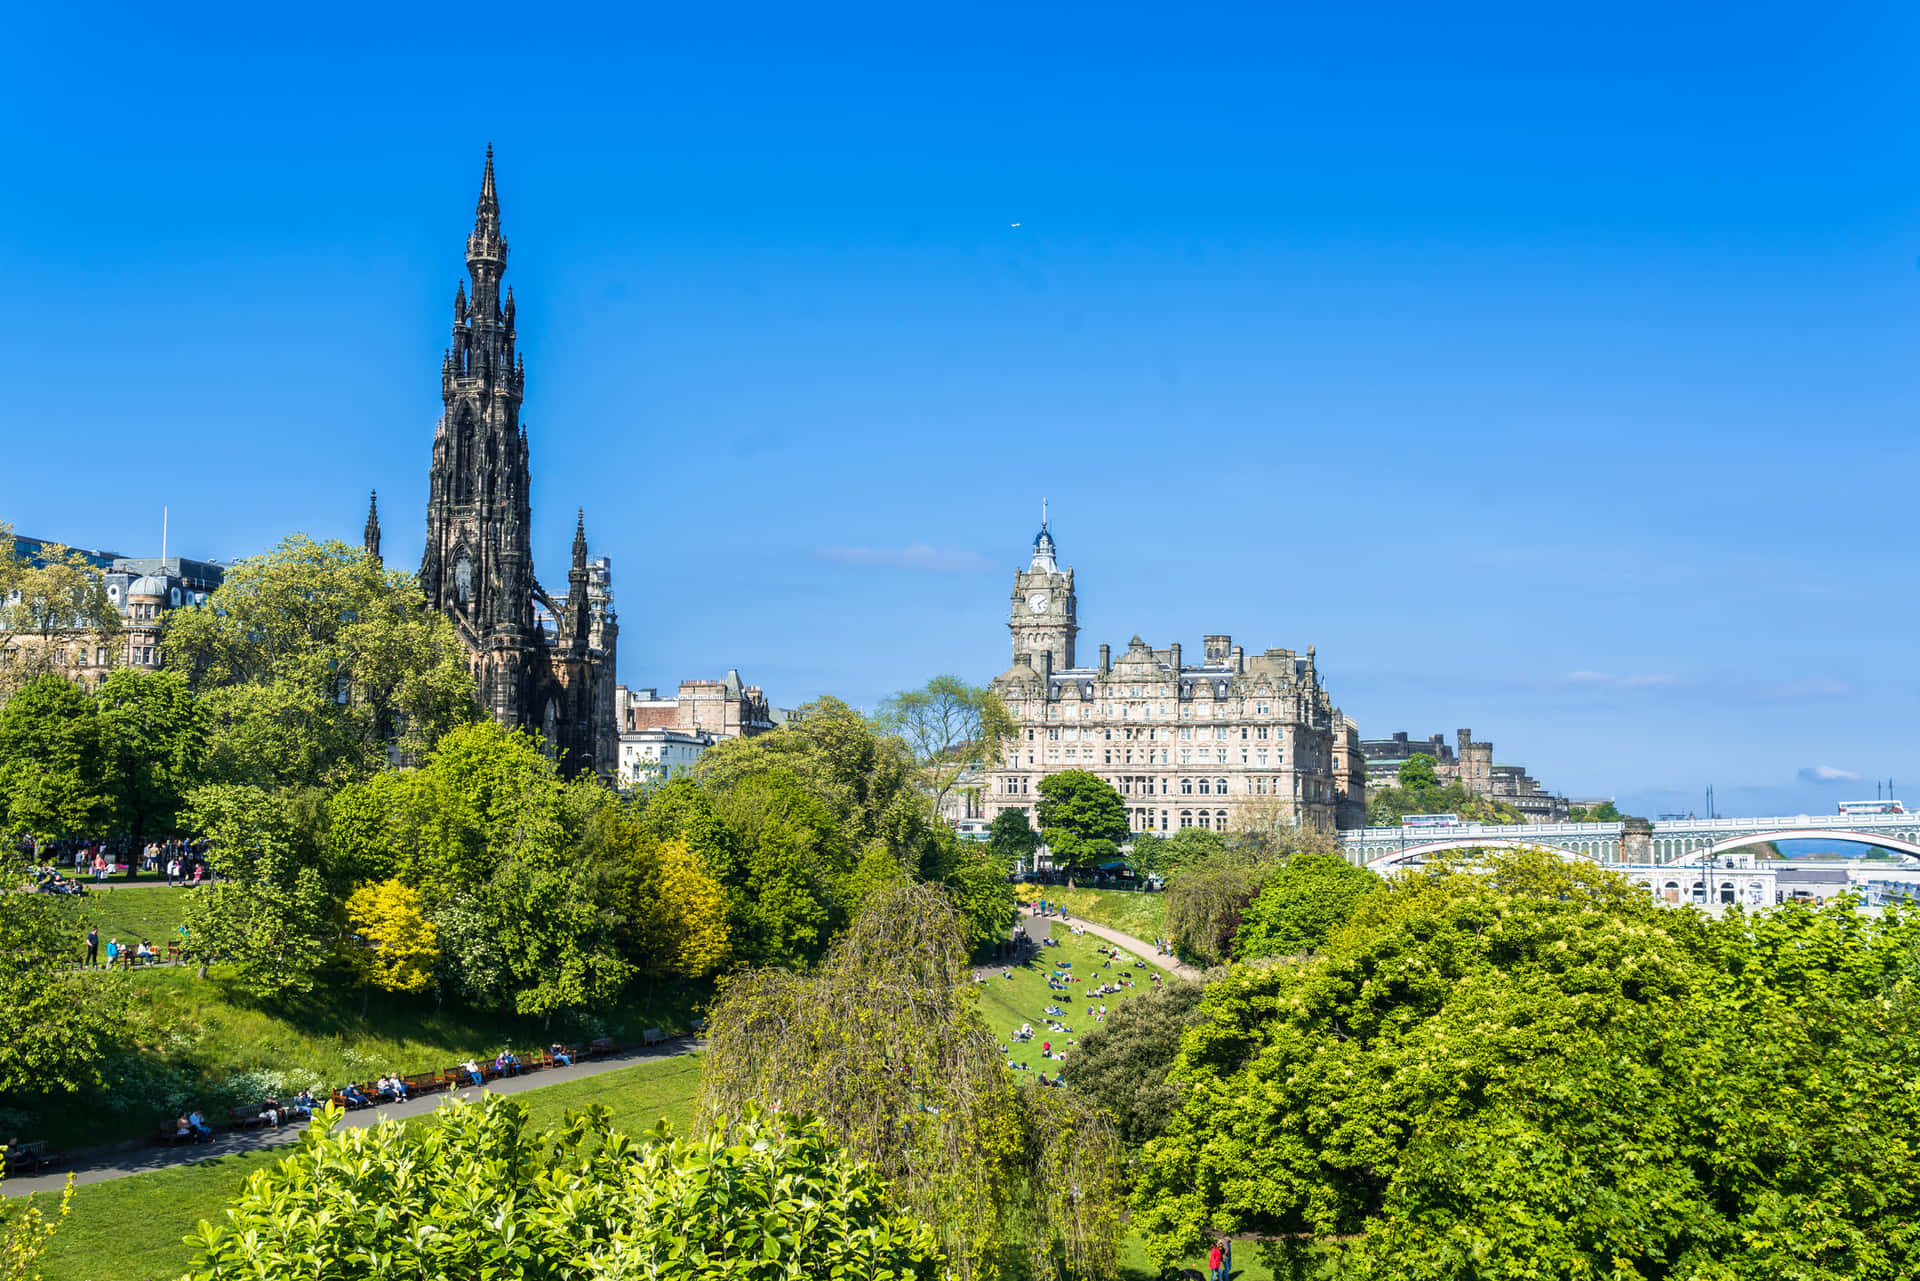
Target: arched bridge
[(1676, 841)]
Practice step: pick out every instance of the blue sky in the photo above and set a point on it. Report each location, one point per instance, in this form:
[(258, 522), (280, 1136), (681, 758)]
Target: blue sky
[(1552, 370)]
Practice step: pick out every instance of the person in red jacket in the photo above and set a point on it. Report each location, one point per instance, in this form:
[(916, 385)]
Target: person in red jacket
[(1216, 1263)]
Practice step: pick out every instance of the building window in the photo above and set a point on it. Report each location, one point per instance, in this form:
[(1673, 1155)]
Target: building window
[(1264, 709), (1186, 818), (1243, 756), (1186, 733), (1220, 819), (1187, 712), (1261, 733), (1053, 735), (1205, 819), (1261, 756), (1220, 757), (1186, 787), (1220, 732), (1186, 756), (1220, 788), (1204, 789)]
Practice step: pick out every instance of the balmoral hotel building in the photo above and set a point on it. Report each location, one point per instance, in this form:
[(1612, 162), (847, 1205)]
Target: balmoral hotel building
[(1231, 741)]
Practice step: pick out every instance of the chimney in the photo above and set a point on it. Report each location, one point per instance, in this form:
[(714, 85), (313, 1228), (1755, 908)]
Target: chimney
[(1106, 659), (1239, 660), (1046, 664), (1174, 658)]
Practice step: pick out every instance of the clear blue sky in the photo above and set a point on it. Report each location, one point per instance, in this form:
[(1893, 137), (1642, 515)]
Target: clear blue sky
[(1551, 369)]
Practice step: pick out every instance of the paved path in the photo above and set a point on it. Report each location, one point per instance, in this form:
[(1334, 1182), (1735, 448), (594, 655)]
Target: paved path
[(1143, 950), (101, 1164)]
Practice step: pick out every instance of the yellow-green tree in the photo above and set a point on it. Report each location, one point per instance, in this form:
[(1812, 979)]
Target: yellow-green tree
[(400, 946), (54, 613)]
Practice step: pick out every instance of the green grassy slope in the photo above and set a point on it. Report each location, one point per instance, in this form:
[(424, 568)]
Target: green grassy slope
[(196, 1041), (1144, 916)]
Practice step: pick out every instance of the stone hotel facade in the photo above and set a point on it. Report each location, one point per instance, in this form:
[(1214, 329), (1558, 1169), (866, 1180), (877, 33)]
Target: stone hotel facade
[(1232, 741)]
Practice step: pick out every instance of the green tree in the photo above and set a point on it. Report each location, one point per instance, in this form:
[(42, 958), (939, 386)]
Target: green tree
[(317, 665), (1417, 772), (1529, 1068), (884, 1042), (25, 1230), (950, 727), (478, 1196), (1170, 855), (1205, 902), (983, 899), (53, 771), (1121, 1066), (1082, 819), (153, 736), (55, 614), (1011, 837), (1301, 904), (397, 947), (58, 1027)]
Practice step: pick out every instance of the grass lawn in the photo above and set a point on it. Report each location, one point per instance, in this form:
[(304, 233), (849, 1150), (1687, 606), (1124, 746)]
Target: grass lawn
[(131, 1229), (126, 912), (1132, 912), (195, 1041), (1007, 1003)]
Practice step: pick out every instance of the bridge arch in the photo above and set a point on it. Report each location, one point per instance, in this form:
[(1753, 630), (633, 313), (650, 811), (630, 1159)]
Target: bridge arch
[(1875, 840), (1414, 855)]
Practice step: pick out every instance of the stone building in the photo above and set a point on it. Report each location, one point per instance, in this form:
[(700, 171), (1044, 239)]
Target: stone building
[(1470, 764), (654, 755), (723, 709), (1231, 741), (141, 589), (539, 662)]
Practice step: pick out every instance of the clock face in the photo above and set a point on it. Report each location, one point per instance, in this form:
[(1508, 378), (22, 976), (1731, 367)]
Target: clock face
[(1037, 602)]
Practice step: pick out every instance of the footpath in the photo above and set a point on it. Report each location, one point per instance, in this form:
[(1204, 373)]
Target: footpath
[(98, 1165), (1144, 950)]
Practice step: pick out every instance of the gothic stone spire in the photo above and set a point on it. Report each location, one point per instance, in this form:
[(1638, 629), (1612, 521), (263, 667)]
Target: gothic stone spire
[(373, 527)]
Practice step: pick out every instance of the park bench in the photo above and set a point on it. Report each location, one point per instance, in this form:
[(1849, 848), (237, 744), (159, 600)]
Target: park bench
[(654, 1036), (168, 1135), (246, 1118), (425, 1082), (24, 1158), (601, 1045)]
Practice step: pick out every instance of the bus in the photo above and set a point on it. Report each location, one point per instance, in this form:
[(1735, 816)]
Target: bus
[(1429, 820), (1872, 807)]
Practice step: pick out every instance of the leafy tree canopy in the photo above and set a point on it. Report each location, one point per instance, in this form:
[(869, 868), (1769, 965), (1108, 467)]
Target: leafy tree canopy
[(884, 1042), (316, 663), (1082, 819), (1121, 1066), (1530, 1069), (478, 1196), (53, 609), (1304, 900), (1011, 837), (949, 726)]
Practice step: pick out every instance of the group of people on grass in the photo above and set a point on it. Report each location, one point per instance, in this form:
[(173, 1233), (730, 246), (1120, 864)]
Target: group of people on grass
[(142, 953)]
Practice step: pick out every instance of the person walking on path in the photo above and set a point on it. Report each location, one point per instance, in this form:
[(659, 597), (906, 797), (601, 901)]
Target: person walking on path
[(1216, 1263), (93, 945)]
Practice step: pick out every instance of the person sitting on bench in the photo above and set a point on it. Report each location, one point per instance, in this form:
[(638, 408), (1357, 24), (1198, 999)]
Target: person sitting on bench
[(202, 1132), (472, 1069), (303, 1102), (560, 1054), (355, 1099)]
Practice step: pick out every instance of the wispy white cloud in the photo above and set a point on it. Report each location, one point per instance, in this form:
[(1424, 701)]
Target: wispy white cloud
[(913, 556), (1794, 691), (1828, 774), (1611, 680)]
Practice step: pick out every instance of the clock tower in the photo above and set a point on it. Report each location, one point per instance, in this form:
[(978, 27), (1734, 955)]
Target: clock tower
[(1043, 609)]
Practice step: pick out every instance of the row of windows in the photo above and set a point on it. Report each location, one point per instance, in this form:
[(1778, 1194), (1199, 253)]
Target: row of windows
[(1147, 711)]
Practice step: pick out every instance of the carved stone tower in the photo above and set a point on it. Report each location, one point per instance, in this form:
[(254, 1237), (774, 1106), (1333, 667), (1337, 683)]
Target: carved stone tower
[(1043, 615), (478, 565), (371, 535)]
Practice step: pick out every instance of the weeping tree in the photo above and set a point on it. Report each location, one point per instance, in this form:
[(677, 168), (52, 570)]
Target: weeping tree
[(884, 1044)]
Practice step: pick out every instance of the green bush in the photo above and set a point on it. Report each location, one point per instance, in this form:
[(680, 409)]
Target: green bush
[(479, 1197)]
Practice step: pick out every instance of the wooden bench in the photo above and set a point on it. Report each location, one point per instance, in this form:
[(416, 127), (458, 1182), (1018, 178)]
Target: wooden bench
[(601, 1045), (169, 1135), (246, 1117), (654, 1036), (24, 1158), (424, 1083)]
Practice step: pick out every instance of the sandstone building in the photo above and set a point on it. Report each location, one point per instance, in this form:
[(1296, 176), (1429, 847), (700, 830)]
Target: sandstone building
[(1234, 740), (1471, 765), (539, 662)]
